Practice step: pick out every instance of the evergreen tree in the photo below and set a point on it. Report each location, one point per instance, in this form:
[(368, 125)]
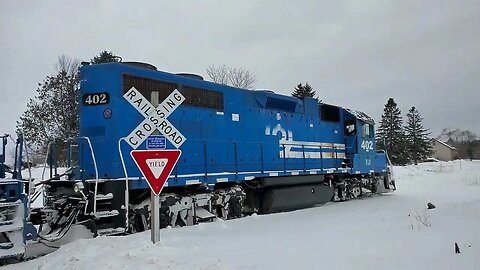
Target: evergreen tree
[(390, 134), (298, 91), (105, 57), (52, 116), (301, 91), (418, 142)]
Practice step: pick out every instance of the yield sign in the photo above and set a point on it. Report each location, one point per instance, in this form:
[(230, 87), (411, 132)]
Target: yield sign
[(156, 166)]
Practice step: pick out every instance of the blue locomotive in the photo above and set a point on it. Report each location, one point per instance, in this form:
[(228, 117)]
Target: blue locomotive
[(243, 152)]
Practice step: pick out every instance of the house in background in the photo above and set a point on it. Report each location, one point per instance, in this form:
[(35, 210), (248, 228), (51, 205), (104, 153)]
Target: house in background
[(443, 151)]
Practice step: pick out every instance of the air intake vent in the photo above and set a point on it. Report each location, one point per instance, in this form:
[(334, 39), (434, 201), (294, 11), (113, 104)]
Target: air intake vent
[(191, 76), (281, 104), (141, 65)]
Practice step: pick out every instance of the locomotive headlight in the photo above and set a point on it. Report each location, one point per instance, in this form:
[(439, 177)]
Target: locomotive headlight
[(79, 187), (107, 113)]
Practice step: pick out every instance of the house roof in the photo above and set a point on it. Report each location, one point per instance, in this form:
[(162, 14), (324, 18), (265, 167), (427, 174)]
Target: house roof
[(444, 143)]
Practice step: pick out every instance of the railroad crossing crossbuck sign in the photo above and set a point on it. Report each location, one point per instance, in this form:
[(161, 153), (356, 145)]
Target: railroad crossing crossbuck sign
[(155, 118)]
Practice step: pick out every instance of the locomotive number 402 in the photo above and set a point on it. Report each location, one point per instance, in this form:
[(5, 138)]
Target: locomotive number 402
[(95, 99), (367, 145)]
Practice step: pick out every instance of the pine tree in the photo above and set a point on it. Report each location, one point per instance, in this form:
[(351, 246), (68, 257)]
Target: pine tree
[(301, 91), (418, 141), (390, 134), (298, 91), (105, 57), (309, 92)]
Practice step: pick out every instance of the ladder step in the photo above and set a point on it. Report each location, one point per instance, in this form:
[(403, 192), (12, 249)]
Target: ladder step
[(203, 214), (6, 222), (13, 255), (366, 191), (7, 204), (8, 245), (103, 214), (11, 227), (101, 197), (110, 231)]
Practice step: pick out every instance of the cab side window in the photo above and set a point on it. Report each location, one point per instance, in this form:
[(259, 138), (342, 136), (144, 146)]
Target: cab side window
[(367, 130), (350, 129)]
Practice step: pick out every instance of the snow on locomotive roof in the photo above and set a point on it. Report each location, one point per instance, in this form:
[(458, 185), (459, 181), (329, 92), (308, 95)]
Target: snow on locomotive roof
[(360, 116)]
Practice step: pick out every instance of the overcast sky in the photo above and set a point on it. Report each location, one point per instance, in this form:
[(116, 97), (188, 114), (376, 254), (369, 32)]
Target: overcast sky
[(355, 54)]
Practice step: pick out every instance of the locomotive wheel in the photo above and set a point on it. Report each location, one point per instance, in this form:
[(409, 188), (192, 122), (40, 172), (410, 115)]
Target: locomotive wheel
[(138, 224), (235, 209), (165, 219), (356, 192)]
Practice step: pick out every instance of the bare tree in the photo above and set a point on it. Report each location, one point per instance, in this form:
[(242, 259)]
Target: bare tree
[(241, 78), (237, 77), (218, 74), (464, 140), (67, 65), (457, 135)]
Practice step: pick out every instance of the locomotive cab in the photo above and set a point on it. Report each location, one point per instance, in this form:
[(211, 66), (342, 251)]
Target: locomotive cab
[(360, 146)]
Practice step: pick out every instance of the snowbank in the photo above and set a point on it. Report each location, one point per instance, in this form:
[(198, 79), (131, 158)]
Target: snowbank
[(382, 232)]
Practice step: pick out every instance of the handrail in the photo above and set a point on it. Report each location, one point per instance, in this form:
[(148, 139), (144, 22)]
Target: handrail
[(236, 159), (261, 155), (304, 162), (300, 162), (93, 154), (96, 172), (336, 157), (389, 163), (44, 168), (353, 142), (46, 159), (127, 198), (205, 160), (29, 179), (321, 157)]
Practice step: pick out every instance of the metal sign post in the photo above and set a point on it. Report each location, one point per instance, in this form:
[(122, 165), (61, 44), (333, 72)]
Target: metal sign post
[(155, 218), (156, 166)]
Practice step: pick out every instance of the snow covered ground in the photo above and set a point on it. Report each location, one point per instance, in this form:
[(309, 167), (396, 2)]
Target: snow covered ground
[(382, 232)]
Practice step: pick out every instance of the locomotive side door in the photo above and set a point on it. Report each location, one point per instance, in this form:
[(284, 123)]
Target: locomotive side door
[(350, 136), (366, 143), (351, 144)]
